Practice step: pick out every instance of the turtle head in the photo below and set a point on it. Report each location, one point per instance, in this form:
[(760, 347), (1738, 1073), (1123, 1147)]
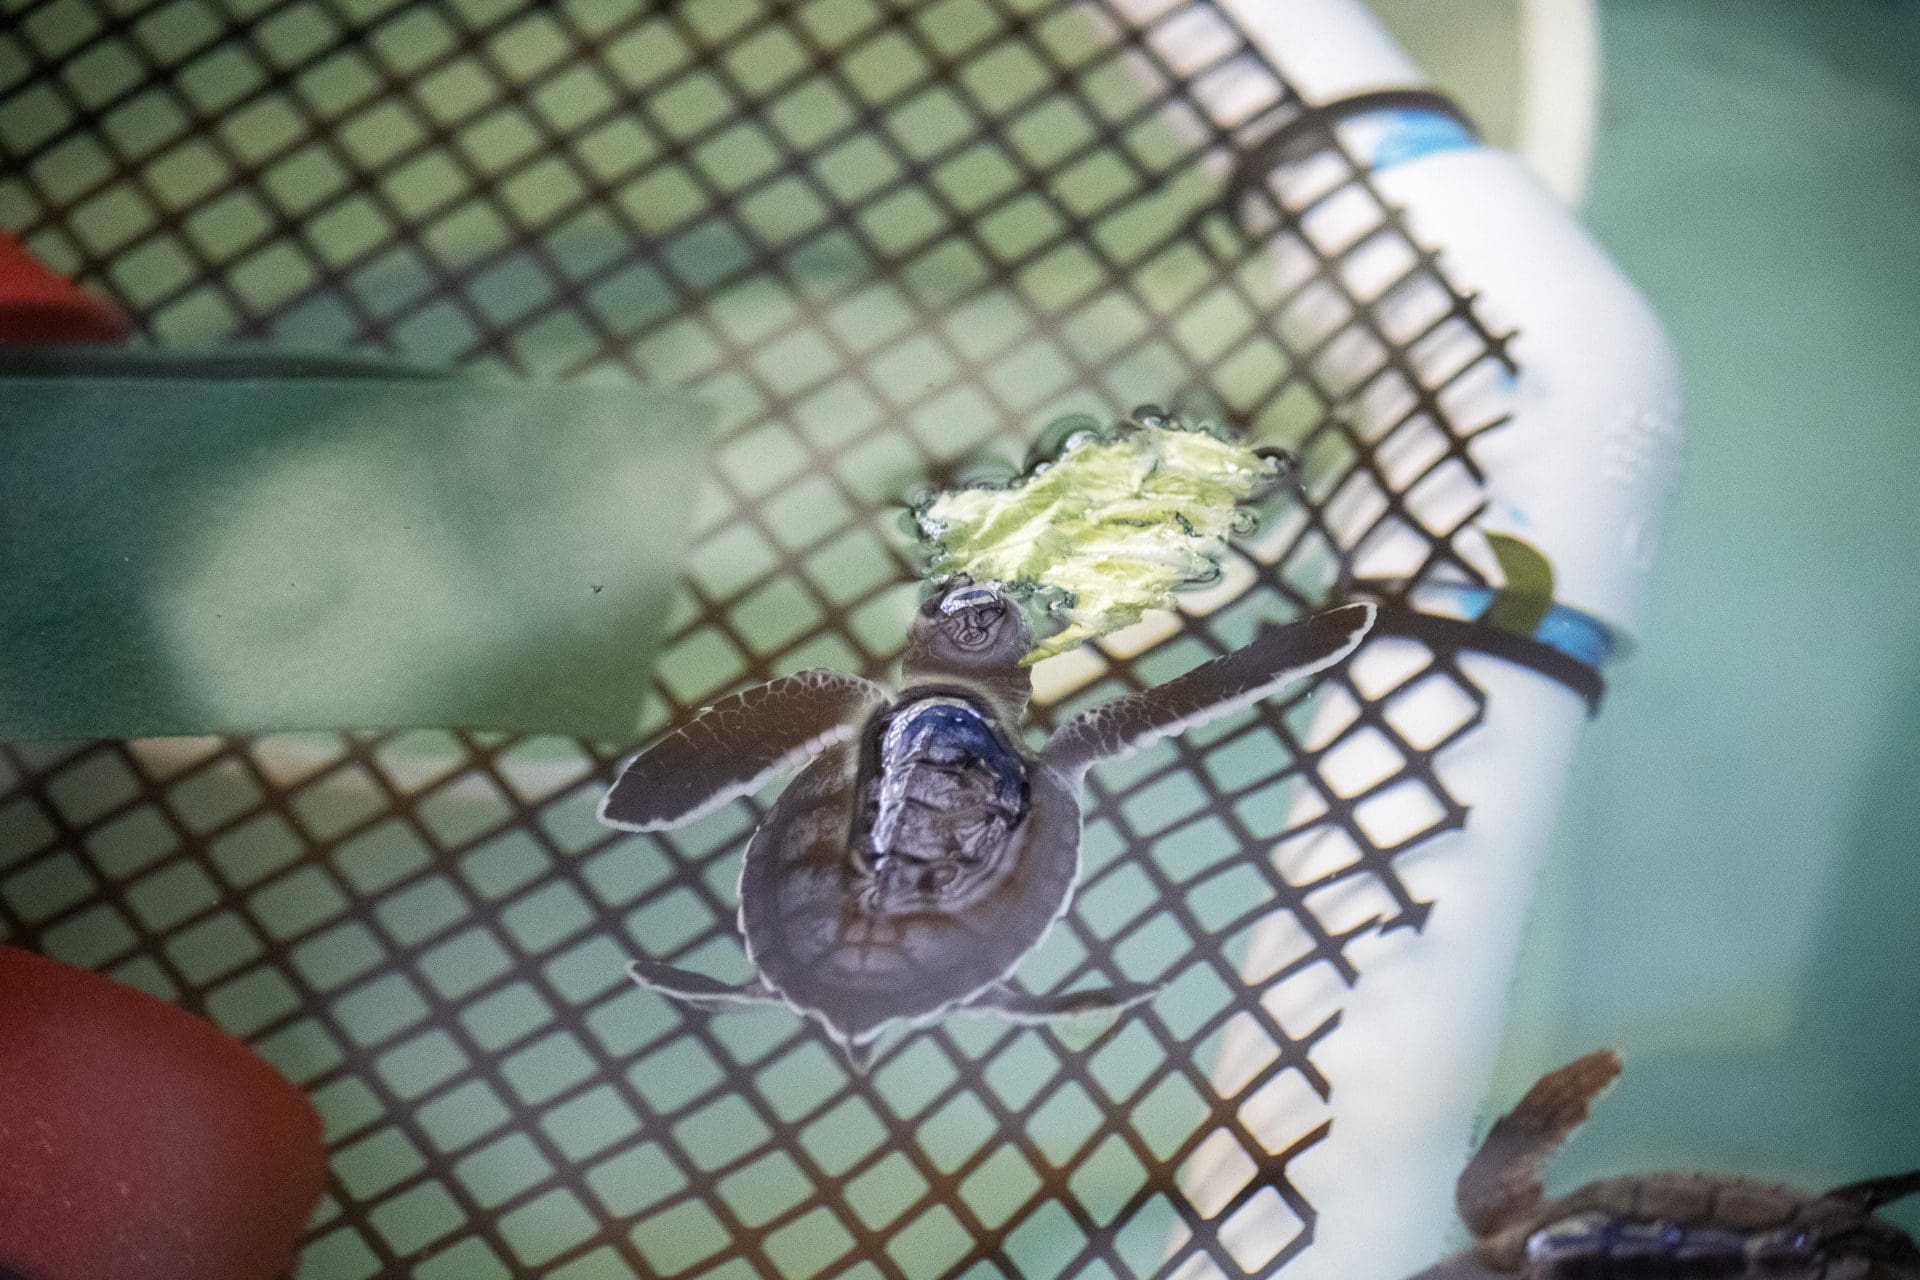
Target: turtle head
[(972, 634)]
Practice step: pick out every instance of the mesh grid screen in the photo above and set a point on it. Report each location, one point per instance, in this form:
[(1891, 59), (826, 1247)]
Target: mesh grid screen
[(882, 239)]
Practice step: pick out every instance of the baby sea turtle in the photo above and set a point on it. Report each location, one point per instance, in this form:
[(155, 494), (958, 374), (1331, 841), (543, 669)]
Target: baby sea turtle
[(924, 849), (1671, 1226)]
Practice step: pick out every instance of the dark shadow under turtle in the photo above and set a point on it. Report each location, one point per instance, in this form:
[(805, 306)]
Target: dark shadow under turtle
[(923, 850), (1674, 1226)]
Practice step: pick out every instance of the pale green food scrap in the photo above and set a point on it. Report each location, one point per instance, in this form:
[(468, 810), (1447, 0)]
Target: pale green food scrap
[(1108, 530)]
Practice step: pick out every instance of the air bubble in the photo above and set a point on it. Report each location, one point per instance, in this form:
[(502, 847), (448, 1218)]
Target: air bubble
[(1207, 576), (987, 474), (1057, 437), (1152, 416)]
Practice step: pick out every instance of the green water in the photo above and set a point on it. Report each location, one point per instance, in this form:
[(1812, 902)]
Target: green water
[(1733, 892), (1736, 890)]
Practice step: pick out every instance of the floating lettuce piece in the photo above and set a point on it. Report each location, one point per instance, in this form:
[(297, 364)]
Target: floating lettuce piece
[(1108, 529)]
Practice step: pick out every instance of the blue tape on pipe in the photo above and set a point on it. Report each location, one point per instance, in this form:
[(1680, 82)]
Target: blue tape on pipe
[(1580, 636), (1405, 134)]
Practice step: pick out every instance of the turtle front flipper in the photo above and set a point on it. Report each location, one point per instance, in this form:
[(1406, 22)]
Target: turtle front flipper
[(1501, 1184), (1018, 1006), (736, 746), (696, 989), (1278, 657)]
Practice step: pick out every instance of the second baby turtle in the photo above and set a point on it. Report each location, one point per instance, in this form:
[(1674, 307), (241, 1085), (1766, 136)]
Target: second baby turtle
[(1670, 1226), (923, 849)]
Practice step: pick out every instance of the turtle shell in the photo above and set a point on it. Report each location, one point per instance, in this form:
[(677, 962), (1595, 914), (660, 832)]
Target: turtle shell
[(825, 934), (1702, 1225)]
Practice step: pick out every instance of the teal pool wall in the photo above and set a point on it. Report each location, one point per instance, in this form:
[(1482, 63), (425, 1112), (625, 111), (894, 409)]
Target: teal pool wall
[(1734, 897)]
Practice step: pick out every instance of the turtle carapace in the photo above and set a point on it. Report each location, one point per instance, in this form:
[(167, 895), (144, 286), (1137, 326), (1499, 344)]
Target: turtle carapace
[(1657, 1226), (923, 849)]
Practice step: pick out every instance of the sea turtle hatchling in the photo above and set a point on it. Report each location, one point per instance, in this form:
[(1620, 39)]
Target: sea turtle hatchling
[(924, 849), (1670, 1226)]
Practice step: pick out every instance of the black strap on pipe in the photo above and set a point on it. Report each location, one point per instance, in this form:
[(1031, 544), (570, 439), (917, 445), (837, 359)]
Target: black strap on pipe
[(1456, 635), (1312, 129)]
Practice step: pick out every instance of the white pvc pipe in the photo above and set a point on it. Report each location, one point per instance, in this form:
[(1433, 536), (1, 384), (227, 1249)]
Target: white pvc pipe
[(1582, 472), (1420, 1031)]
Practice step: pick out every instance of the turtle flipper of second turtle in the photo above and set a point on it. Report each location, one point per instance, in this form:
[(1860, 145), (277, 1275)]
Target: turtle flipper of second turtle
[(736, 746), (1871, 1194), (1017, 1006), (1278, 657), (1461, 1266), (1501, 1184)]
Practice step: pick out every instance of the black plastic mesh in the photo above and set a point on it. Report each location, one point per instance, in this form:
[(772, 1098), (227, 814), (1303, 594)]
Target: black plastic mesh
[(881, 238)]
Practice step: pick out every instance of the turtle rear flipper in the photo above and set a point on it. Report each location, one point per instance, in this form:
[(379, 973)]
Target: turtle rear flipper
[(861, 1053), (696, 989), (1502, 1181), (1278, 657), (736, 746), (1869, 1195), (1018, 1006)]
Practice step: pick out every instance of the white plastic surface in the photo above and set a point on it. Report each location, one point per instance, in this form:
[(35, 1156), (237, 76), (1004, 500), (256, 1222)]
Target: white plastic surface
[(1586, 467), (1560, 92), (1420, 1031), (1327, 48), (1582, 471)]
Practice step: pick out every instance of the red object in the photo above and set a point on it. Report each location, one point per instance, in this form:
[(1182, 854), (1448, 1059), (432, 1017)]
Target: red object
[(138, 1142), (38, 305)]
